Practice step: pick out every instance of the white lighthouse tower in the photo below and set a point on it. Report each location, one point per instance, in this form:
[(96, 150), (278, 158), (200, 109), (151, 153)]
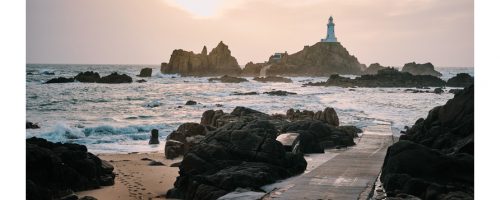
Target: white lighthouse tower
[(330, 31)]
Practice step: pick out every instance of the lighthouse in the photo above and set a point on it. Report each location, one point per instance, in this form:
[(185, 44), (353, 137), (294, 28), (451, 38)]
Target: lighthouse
[(330, 31)]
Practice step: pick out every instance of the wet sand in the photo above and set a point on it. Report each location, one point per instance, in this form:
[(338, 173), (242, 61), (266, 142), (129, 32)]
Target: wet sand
[(135, 178)]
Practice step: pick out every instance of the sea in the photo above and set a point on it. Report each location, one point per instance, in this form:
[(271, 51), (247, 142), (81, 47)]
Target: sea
[(118, 118)]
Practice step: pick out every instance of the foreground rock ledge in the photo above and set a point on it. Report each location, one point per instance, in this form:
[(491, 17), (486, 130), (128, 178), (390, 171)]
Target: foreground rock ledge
[(435, 158), (240, 149), (54, 170)]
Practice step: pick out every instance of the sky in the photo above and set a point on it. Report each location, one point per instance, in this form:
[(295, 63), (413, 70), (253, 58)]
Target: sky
[(390, 32)]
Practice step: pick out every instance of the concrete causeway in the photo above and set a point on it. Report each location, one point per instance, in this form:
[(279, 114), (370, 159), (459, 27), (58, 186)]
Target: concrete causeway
[(349, 175)]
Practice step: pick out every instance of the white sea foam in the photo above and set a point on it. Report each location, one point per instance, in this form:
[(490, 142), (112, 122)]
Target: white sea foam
[(119, 117)]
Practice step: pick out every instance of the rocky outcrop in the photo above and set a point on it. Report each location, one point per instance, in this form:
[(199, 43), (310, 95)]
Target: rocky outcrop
[(328, 115), (94, 77), (247, 149), (218, 62), (31, 125), (434, 159), (373, 69), (315, 136), (190, 103), (252, 69), (320, 59), (279, 93), (245, 93), (145, 72), (384, 78), (275, 79), (115, 78), (460, 80), (88, 77), (228, 79), (420, 69), (181, 140), (237, 155), (54, 169), (60, 80)]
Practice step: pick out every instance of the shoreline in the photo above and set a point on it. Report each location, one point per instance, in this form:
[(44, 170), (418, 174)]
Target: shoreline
[(135, 178)]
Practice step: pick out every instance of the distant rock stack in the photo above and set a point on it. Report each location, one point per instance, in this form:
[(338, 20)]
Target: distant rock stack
[(146, 72), (321, 59), (420, 69), (218, 62)]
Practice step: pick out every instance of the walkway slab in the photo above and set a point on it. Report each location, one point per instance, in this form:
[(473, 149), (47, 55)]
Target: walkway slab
[(349, 175)]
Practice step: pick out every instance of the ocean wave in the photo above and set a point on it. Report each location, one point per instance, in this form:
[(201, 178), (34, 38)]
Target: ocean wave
[(152, 104)]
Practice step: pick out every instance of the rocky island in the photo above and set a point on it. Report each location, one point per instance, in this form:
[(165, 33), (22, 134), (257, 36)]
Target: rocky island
[(216, 63), (319, 59), (384, 78)]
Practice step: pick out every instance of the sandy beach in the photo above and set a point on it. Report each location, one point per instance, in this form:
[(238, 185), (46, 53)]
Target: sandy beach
[(135, 178)]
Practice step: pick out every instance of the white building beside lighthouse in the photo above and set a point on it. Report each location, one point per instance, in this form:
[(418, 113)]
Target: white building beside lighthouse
[(330, 31)]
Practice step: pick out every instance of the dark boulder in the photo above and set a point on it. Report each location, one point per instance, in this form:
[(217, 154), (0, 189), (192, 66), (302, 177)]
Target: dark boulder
[(218, 118), (420, 69), (434, 159), (279, 93), (244, 93), (141, 81), (154, 137), (190, 103), (145, 72), (276, 79), (60, 80), (315, 135), (438, 91), (237, 155), (115, 78), (460, 80), (182, 139), (388, 77), (328, 115), (88, 77), (228, 79), (31, 125), (52, 169)]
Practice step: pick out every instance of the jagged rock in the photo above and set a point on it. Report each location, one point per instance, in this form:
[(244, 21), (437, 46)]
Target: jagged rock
[(190, 103), (31, 125), (315, 136), (328, 115), (438, 91), (54, 170), (141, 81), (420, 69), (218, 62), (237, 155), (244, 93), (228, 79), (145, 72), (115, 78), (252, 69), (273, 79), (181, 140), (460, 80), (373, 69), (279, 93), (60, 80), (454, 91), (321, 59), (434, 159), (87, 77), (154, 137), (384, 78)]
